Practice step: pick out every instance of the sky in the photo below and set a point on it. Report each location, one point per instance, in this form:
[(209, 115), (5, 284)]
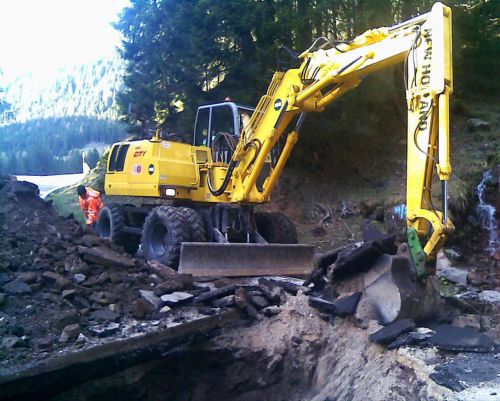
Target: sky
[(40, 36)]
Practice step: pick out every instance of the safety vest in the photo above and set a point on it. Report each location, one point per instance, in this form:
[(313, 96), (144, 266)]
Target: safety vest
[(91, 205)]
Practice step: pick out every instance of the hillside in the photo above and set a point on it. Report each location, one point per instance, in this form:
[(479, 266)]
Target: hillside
[(51, 120), (84, 90)]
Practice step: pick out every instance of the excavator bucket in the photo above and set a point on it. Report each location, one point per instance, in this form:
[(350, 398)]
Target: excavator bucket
[(204, 259), (392, 290)]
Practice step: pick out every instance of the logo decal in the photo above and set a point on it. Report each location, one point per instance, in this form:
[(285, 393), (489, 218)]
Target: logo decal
[(277, 104), (137, 169), (151, 169), (139, 153)]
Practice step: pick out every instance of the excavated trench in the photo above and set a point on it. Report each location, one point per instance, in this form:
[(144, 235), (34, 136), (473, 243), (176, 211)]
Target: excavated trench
[(292, 356), (297, 354)]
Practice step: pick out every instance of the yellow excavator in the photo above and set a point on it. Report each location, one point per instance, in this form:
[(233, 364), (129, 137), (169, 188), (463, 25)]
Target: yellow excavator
[(208, 190)]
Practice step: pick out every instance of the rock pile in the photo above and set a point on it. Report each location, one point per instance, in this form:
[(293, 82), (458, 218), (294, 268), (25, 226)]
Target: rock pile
[(62, 287)]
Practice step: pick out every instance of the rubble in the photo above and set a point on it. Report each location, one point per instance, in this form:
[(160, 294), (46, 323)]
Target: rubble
[(389, 333), (89, 300), (105, 257), (17, 288), (453, 274), (70, 332), (490, 296), (176, 298), (452, 338)]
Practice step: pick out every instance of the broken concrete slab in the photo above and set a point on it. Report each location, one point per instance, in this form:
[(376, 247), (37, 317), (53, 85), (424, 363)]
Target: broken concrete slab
[(225, 302), (215, 294), (453, 338), (467, 370), (289, 286), (409, 339), (10, 342), (161, 270), (104, 330), (176, 298), (347, 305), (322, 304), (65, 370), (177, 282), (259, 302), (70, 332), (360, 257), (468, 320), (389, 333), (105, 257), (150, 297), (341, 307), (453, 274), (490, 296)]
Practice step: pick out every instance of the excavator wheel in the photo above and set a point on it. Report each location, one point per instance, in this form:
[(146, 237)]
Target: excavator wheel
[(164, 229), (197, 231), (276, 228), (110, 226)]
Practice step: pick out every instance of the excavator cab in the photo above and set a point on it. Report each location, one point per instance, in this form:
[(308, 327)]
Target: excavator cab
[(218, 126)]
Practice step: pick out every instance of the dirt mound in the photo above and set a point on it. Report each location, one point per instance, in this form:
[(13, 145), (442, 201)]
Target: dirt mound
[(50, 295)]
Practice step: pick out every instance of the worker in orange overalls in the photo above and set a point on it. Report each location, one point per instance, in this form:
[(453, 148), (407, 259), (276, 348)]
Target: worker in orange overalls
[(91, 204)]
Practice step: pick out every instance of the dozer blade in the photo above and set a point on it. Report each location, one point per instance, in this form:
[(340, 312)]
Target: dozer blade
[(203, 259), (392, 289)]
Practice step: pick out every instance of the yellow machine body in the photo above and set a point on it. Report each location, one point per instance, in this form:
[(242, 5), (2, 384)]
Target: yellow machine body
[(157, 168), (161, 169)]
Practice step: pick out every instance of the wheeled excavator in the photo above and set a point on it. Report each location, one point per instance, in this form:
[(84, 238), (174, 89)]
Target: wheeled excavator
[(198, 201)]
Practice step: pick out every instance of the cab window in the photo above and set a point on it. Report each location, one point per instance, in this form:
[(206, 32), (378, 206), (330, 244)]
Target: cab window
[(222, 120), (201, 127)]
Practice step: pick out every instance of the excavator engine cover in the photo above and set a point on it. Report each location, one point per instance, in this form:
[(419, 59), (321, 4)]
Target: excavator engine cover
[(235, 259)]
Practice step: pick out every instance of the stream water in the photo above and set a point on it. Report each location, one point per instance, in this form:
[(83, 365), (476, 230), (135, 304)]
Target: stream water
[(486, 213)]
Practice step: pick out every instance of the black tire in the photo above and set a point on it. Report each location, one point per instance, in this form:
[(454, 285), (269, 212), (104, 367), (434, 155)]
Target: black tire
[(276, 228), (110, 223), (164, 229), (197, 232), (110, 226)]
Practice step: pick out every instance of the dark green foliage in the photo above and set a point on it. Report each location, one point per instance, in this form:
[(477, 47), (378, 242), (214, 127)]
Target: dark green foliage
[(183, 53), (476, 45), (52, 145), (92, 157)]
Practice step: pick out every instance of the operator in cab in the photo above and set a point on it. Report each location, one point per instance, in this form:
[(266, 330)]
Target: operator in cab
[(91, 204)]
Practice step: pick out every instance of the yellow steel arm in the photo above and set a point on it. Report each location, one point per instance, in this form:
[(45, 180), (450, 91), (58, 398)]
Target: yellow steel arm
[(424, 42)]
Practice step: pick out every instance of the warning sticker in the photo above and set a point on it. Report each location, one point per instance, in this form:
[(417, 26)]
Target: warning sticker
[(137, 169)]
